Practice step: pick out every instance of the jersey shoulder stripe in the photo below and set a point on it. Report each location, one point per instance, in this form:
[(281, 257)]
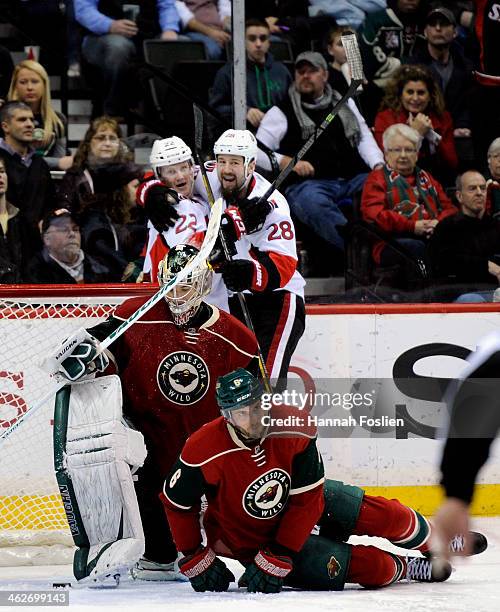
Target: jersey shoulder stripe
[(308, 487)]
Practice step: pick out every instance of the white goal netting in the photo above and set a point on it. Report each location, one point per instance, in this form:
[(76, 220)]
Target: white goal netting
[(33, 527)]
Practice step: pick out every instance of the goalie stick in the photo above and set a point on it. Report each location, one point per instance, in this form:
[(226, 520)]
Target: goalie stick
[(205, 250), (198, 141), (353, 55)]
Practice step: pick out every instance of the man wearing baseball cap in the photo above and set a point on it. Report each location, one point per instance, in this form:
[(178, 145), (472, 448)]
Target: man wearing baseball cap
[(62, 261), (336, 166), (452, 70)]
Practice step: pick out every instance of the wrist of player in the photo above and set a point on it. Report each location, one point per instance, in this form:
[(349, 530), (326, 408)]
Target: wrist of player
[(206, 571), (267, 572)]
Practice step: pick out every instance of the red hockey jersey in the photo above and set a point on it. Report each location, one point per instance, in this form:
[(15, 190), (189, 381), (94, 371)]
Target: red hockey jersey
[(268, 493), (168, 375)]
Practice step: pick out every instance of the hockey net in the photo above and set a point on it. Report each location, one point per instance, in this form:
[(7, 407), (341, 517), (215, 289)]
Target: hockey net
[(33, 526)]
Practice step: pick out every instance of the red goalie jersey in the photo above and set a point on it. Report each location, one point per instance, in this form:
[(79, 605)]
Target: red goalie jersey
[(168, 374), (269, 492)]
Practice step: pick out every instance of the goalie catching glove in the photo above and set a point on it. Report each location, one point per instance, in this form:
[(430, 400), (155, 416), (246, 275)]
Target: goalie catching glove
[(206, 571), (78, 356), (267, 573), (159, 204)]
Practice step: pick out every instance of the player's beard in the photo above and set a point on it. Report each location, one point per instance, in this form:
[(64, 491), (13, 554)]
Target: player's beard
[(231, 194)]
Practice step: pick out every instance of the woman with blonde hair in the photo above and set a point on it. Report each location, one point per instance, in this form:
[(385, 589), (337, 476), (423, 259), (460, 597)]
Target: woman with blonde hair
[(30, 84)]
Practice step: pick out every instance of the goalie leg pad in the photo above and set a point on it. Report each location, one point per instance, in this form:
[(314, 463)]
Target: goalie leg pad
[(94, 451)]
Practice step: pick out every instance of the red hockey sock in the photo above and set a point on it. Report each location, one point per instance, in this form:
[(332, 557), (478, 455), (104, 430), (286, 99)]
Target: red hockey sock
[(389, 518), (371, 567)]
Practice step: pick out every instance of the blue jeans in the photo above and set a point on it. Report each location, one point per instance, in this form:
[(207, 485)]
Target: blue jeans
[(315, 202), (475, 298), (111, 54), (213, 49)]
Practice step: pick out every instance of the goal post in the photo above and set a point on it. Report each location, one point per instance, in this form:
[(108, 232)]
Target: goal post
[(33, 320)]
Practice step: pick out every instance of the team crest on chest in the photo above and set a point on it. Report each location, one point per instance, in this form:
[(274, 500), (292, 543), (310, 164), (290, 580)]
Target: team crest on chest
[(183, 378), (266, 496)]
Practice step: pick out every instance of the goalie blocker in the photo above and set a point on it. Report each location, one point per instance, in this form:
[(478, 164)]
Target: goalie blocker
[(94, 453)]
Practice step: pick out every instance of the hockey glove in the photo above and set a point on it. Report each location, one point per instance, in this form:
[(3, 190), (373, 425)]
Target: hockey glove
[(159, 204), (267, 573), (205, 571), (253, 211), (238, 274), (76, 357), (232, 229)]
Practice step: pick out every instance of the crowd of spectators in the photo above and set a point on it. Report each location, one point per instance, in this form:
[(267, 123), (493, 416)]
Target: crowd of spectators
[(415, 154)]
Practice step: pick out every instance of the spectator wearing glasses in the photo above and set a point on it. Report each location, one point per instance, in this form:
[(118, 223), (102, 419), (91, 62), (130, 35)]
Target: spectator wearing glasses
[(267, 79), (101, 145), (401, 198), (62, 261)]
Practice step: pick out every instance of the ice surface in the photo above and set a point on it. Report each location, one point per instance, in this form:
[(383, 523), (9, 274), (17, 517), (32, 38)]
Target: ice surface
[(473, 587)]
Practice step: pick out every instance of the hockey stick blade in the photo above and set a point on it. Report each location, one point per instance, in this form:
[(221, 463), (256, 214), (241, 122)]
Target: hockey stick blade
[(353, 56), (205, 250), (198, 128)]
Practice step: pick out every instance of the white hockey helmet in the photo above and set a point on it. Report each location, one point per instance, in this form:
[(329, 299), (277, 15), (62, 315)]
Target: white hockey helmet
[(185, 298), (169, 151), (237, 142)]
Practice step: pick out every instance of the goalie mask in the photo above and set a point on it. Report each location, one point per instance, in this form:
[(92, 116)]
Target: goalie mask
[(185, 298), (239, 396)]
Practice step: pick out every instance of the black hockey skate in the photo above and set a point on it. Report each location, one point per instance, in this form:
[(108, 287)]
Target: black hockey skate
[(421, 569), (479, 543), (457, 545)]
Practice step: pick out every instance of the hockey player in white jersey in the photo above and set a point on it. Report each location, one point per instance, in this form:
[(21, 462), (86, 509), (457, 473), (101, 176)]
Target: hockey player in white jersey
[(175, 216), (265, 263)]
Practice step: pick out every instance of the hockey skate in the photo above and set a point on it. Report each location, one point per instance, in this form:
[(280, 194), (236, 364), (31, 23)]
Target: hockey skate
[(421, 569), (102, 566), (479, 544), (158, 572)]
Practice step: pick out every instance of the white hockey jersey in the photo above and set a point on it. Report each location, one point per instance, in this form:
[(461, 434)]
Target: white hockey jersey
[(189, 228), (278, 232)]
